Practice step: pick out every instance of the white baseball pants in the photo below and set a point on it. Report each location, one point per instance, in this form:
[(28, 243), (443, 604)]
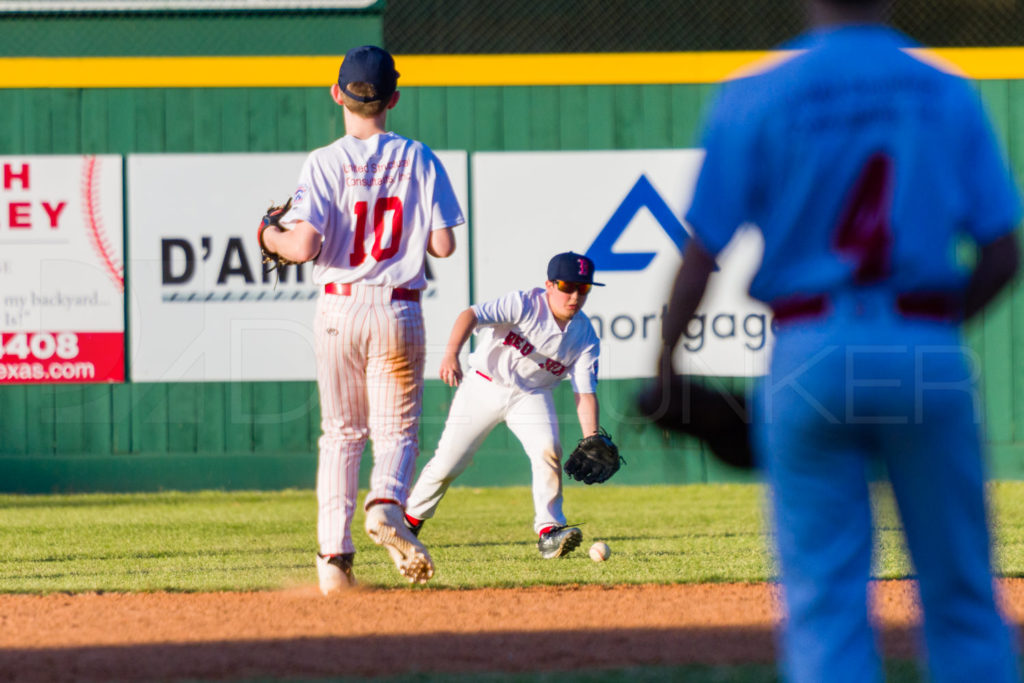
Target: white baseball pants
[(370, 354), (477, 408)]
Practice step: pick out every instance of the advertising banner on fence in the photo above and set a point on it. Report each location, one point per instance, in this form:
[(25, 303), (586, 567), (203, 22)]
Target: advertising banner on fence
[(624, 210), (61, 269), (201, 306)]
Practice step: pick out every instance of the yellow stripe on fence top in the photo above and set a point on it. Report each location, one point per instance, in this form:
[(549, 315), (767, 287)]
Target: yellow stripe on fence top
[(444, 70)]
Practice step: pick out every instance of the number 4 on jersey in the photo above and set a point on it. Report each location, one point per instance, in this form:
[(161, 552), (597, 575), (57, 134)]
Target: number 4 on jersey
[(381, 208), (864, 232)]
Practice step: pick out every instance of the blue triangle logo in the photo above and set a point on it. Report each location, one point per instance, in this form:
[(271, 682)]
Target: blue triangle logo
[(641, 195)]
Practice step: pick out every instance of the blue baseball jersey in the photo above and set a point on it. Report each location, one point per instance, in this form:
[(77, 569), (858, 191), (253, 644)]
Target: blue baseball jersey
[(911, 159), (865, 169)]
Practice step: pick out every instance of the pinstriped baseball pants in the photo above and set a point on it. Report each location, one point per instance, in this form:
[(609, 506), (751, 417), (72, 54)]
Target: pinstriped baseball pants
[(370, 355)]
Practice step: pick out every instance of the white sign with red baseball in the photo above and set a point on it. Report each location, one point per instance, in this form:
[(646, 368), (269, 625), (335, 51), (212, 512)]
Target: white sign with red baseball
[(623, 209), (202, 307), (61, 269)]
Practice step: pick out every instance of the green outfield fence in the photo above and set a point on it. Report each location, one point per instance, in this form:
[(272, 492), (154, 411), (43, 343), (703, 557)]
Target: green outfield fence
[(150, 436)]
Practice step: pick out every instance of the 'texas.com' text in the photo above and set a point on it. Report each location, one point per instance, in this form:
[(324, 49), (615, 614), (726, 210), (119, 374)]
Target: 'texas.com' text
[(57, 371)]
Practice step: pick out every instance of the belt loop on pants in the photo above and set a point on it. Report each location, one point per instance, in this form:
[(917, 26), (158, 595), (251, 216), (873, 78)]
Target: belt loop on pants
[(397, 294)]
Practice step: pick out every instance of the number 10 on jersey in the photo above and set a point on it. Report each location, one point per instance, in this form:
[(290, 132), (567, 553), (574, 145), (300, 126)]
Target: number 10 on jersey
[(381, 209)]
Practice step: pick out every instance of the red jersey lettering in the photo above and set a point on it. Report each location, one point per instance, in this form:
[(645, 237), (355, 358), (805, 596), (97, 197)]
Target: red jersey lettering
[(515, 341), (554, 367)]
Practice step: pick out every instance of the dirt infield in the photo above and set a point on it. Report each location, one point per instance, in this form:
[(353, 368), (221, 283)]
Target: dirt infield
[(164, 636)]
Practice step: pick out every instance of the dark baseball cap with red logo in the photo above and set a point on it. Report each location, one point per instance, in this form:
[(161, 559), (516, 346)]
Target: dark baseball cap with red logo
[(572, 267), (369, 64)]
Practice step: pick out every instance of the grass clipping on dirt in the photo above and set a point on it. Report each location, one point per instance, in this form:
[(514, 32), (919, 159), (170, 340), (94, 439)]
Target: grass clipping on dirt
[(214, 541)]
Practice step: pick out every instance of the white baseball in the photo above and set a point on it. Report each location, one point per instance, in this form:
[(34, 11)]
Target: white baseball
[(600, 551)]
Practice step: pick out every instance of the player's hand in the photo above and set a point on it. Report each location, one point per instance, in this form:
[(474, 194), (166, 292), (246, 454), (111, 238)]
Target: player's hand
[(451, 370)]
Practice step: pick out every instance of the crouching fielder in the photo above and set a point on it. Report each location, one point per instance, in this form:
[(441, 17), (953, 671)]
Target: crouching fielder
[(529, 341)]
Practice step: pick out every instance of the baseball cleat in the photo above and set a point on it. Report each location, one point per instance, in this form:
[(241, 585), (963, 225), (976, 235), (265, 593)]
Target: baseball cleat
[(385, 525), (558, 542), (335, 572), (414, 528)]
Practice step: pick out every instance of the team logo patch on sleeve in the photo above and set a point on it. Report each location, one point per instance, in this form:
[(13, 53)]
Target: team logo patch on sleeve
[(300, 194)]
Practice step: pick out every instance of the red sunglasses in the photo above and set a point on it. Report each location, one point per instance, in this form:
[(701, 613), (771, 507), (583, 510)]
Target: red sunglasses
[(570, 287)]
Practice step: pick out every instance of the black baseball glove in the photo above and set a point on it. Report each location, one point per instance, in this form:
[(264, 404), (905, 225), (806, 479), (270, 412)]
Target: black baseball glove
[(595, 459), (273, 218), (718, 418)]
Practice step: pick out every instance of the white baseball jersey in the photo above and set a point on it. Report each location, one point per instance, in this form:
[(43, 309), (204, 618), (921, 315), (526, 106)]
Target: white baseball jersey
[(520, 356), (520, 344), (375, 201)]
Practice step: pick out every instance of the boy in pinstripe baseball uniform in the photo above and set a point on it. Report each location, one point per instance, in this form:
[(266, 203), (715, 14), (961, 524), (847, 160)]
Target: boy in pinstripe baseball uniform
[(368, 208), (528, 342), (864, 168)]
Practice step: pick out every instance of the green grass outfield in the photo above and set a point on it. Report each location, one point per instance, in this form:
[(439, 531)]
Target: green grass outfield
[(218, 541), (214, 541)]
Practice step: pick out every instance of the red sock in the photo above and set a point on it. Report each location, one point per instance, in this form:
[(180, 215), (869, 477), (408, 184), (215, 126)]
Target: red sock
[(412, 520), (545, 530)]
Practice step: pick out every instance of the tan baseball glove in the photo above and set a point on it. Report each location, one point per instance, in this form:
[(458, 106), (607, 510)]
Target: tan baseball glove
[(272, 218)]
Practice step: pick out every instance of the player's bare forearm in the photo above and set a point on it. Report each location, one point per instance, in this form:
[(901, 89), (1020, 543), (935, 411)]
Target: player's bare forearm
[(587, 410), (441, 243), (463, 327), (687, 292), (451, 368), (998, 263), (300, 243)]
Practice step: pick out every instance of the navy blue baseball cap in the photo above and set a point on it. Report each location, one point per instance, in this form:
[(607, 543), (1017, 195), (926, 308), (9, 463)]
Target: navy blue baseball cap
[(572, 267), (369, 64)]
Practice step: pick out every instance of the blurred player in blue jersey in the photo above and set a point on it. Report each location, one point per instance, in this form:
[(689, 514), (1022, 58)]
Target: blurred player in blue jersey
[(864, 168)]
